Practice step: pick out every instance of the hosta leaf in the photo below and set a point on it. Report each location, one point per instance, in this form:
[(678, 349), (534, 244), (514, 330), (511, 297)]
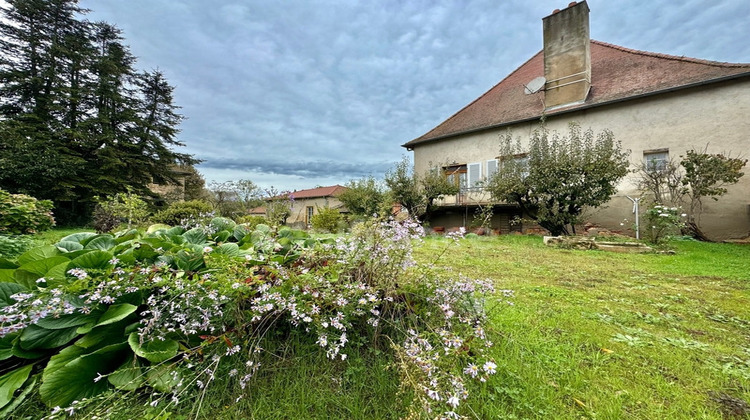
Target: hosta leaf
[(35, 337), (177, 230), (263, 228), (56, 275), (125, 236), (66, 321), (103, 336), (155, 351), (189, 261), (239, 232), (116, 313), (145, 253), (68, 246), (75, 379), (12, 381), (29, 273), (222, 223), (230, 249), (7, 290), (221, 236), (17, 351), (102, 242), (80, 237), (157, 227), (92, 259), (195, 236), (39, 253), (7, 275), (6, 346), (128, 377), (7, 264), (30, 386), (163, 378)]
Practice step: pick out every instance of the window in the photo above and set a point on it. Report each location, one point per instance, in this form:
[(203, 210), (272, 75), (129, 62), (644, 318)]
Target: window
[(474, 175), (309, 215), (456, 175), (520, 161), (491, 168), (656, 160)]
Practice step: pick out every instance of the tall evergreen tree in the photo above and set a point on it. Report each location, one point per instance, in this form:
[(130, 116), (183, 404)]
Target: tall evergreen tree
[(77, 120)]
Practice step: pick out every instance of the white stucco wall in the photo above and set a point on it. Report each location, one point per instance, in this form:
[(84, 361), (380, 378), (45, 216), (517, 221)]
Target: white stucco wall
[(715, 116)]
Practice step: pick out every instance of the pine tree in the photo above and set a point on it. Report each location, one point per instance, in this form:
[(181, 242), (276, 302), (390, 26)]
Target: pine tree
[(77, 120)]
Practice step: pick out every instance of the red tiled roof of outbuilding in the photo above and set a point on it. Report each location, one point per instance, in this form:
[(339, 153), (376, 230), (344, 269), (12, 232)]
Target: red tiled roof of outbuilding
[(617, 73), (331, 191)]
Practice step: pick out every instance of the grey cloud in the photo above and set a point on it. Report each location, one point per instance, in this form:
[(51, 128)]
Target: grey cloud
[(306, 169), (337, 87)]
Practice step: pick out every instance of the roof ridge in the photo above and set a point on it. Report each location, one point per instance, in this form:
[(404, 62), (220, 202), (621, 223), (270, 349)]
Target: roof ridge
[(480, 96), (671, 57)]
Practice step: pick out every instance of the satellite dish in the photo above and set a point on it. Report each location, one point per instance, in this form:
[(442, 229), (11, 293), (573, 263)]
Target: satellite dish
[(535, 85)]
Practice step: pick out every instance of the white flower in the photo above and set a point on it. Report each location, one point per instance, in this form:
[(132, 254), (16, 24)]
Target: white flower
[(433, 394), (207, 249), (453, 401), (490, 367), (472, 370)]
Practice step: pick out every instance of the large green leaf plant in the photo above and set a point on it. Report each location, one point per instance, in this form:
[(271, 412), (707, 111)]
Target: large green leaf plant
[(83, 309)]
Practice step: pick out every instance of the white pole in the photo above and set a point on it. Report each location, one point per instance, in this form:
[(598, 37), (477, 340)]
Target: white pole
[(636, 211)]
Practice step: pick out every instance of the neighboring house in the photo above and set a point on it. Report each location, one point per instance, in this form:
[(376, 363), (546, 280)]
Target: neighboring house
[(172, 192), (306, 203), (657, 105)]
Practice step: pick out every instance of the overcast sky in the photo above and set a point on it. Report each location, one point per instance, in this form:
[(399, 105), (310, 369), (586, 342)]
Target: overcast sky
[(296, 94)]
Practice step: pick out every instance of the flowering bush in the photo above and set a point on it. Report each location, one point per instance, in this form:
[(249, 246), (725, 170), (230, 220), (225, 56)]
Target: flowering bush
[(168, 312), (21, 214), (662, 222)]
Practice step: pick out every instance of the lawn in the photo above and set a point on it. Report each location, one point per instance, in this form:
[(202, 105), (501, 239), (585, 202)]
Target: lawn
[(609, 336), (589, 334)]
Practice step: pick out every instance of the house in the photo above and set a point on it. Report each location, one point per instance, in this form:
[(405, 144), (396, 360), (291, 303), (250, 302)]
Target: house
[(659, 106), (304, 204)]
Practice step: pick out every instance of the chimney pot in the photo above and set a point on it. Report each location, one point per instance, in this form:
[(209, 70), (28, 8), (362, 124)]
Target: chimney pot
[(555, 11), (572, 3)]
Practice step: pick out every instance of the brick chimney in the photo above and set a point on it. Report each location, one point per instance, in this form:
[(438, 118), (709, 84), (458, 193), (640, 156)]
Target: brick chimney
[(567, 56)]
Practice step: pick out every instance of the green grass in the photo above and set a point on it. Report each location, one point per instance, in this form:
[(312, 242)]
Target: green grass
[(608, 336), (590, 335), (55, 234)]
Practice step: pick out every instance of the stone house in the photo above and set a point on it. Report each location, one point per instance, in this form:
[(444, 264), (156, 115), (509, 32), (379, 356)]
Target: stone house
[(658, 106), (304, 204)]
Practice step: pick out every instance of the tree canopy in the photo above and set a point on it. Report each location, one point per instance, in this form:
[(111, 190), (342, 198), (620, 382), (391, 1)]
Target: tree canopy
[(363, 197), (559, 176), (415, 193), (77, 120)]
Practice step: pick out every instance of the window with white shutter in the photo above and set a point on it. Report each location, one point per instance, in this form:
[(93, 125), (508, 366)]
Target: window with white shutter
[(491, 168), (474, 174)]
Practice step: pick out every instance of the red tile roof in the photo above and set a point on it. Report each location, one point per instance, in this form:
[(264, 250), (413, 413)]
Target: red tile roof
[(617, 74), (331, 191)]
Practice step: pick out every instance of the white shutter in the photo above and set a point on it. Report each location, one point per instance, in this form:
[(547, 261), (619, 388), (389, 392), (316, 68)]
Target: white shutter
[(475, 174), (491, 168)]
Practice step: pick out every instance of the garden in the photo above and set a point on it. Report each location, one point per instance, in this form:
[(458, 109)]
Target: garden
[(215, 319)]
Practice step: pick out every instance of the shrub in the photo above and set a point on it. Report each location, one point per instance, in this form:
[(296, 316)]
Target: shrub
[(251, 221), (327, 220), (104, 220), (663, 222), (13, 246), (21, 214), (182, 212), (125, 206)]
